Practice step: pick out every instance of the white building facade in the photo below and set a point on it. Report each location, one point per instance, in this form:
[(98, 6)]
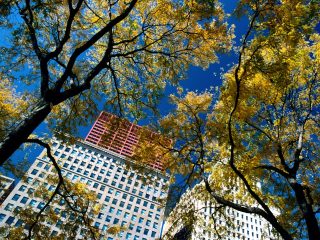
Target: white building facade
[(197, 218), (125, 199)]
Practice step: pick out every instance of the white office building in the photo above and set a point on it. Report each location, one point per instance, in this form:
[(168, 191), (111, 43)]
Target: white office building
[(125, 199), (198, 217)]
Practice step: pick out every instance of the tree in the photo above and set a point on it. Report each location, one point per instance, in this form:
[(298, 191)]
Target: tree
[(264, 127), (77, 54)]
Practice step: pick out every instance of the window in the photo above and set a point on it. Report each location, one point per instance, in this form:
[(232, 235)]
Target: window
[(128, 236), (138, 229), (119, 212), (115, 221), (102, 187), (29, 179), (8, 207), (17, 209), (16, 197), (157, 217), (59, 223), (150, 214), (131, 226), (2, 216), (145, 232), (10, 220), (126, 215), (117, 193), (129, 206), (143, 211), (153, 234), (148, 223), (104, 228), (75, 177), (40, 205), (108, 218), (33, 203), (39, 164), (121, 204), (141, 220), (155, 225), (24, 200), (34, 172), (123, 223), (18, 223), (22, 188), (134, 217), (145, 203), (111, 210)]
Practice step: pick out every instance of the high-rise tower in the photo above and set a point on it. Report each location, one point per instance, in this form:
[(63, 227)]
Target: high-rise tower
[(119, 136), (101, 163)]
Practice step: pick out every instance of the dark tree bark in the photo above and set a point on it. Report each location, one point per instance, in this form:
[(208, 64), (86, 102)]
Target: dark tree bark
[(19, 135)]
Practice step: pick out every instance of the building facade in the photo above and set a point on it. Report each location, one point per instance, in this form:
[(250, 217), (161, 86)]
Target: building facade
[(198, 217), (120, 136), (125, 197)]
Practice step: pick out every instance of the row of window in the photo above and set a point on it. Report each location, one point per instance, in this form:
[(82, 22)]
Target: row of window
[(96, 160)]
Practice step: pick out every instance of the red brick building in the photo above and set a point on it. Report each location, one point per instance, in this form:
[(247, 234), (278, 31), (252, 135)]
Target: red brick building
[(117, 135)]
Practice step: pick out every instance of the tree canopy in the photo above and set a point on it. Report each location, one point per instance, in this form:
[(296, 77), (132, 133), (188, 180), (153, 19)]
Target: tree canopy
[(261, 126), (72, 56), (262, 131)]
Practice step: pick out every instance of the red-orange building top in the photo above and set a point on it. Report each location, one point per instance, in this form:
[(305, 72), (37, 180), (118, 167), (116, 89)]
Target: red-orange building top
[(119, 136)]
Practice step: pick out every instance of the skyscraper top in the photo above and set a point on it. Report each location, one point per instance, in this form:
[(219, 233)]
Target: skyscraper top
[(117, 135)]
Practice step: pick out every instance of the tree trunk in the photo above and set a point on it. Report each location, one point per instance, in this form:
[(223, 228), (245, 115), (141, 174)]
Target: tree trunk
[(307, 210), (18, 136)]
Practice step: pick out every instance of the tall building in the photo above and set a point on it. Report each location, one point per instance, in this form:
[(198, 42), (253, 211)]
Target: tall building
[(119, 136), (105, 167), (199, 217)]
